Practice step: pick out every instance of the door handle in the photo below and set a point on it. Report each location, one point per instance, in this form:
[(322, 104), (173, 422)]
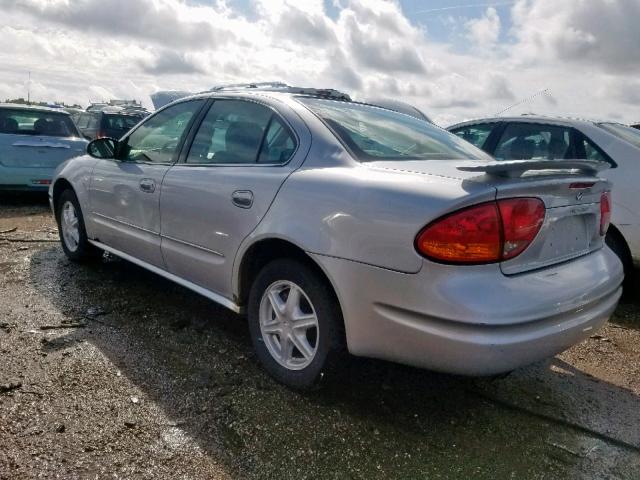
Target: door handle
[(242, 198), (147, 185)]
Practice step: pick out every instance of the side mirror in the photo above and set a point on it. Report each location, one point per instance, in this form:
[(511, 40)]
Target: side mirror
[(102, 148)]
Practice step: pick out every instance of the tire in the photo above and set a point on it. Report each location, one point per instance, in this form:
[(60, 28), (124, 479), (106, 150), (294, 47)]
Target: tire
[(615, 242), (75, 246), (314, 351)]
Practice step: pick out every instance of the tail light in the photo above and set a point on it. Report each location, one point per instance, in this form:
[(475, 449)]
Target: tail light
[(485, 233), (605, 212)]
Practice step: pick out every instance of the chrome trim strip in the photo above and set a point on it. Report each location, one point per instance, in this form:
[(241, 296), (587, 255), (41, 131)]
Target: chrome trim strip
[(192, 245), (124, 223), (216, 297)]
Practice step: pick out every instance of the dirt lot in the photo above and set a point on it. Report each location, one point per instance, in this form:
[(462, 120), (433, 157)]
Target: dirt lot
[(107, 371)]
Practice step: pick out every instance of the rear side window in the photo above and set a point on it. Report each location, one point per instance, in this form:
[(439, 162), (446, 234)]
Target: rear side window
[(371, 133), (235, 131), (33, 122), (119, 122), (475, 134), (524, 141)]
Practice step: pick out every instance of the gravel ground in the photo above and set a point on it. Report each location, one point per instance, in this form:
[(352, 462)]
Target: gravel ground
[(108, 371)]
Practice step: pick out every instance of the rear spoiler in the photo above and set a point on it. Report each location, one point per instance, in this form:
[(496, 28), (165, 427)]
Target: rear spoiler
[(515, 168)]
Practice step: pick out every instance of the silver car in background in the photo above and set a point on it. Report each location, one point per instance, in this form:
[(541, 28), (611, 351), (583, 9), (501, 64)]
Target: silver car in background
[(338, 226)]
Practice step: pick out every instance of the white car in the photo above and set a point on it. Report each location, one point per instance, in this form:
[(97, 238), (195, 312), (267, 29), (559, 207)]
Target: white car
[(546, 138)]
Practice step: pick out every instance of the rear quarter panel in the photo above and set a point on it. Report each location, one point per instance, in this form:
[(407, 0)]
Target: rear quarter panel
[(363, 214)]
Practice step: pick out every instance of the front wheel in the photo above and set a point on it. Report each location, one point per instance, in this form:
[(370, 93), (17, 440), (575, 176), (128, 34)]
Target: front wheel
[(73, 235), (295, 324)]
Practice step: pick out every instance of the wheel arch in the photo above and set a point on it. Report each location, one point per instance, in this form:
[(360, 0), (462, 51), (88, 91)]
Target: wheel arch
[(618, 237), (265, 250), (60, 186)]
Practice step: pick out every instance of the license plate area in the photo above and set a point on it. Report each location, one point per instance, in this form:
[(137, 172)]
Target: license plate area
[(567, 232)]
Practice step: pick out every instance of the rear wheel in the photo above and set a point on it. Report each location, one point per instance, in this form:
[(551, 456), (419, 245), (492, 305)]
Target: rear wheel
[(295, 324), (73, 235)]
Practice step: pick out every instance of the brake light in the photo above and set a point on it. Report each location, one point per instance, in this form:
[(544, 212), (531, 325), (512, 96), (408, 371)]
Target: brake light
[(521, 221), (605, 212), (485, 233)]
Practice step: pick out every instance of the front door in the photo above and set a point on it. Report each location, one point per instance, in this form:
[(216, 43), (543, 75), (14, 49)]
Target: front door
[(125, 192), (238, 160)]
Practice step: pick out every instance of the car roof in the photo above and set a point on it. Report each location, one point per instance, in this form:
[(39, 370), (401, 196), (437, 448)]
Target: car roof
[(35, 108), (277, 95), (572, 121)]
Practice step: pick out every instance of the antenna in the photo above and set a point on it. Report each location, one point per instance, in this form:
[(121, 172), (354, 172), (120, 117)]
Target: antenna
[(524, 100)]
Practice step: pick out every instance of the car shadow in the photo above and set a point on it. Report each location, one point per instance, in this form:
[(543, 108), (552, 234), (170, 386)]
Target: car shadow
[(376, 419)]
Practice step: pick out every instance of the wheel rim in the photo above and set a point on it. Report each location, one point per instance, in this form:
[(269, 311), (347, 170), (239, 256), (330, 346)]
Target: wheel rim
[(289, 325), (70, 226)]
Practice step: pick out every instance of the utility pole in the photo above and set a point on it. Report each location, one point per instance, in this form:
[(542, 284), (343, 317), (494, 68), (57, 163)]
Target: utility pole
[(29, 89)]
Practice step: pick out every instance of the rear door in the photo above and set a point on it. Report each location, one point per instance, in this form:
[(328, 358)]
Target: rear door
[(239, 157), (125, 192)]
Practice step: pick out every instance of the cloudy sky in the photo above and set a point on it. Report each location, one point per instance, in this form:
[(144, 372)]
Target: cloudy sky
[(456, 59)]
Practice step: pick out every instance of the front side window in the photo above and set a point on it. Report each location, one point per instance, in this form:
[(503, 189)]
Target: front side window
[(235, 131), (623, 132), (158, 138), (475, 134), (372, 133), (34, 122), (525, 141)]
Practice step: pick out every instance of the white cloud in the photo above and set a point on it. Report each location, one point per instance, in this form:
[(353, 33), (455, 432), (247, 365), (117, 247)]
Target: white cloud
[(87, 50), (484, 31)]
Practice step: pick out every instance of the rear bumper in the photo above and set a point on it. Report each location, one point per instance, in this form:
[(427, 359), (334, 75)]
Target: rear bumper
[(23, 179), (474, 320)]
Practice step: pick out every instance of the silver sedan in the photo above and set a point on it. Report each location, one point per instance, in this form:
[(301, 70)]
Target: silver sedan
[(343, 227)]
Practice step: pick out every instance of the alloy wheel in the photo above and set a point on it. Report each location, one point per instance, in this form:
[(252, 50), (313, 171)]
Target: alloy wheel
[(289, 325), (70, 226)]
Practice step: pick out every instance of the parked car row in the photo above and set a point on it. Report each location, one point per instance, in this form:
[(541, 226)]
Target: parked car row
[(338, 226)]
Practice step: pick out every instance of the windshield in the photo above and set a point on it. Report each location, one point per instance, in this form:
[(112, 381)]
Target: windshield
[(623, 132), (33, 122), (372, 133)]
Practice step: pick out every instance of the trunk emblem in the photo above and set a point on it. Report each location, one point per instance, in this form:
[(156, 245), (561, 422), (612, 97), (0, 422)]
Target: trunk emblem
[(579, 195)]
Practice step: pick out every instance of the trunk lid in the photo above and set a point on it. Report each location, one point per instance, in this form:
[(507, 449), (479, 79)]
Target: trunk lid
[(570, 190), (38, 151)]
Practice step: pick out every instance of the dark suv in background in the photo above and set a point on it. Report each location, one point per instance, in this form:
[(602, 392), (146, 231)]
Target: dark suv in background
[(112, 123)]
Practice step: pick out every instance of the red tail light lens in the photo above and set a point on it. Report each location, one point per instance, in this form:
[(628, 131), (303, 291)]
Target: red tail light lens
[(521, 221), (605, 212), (485, 233)]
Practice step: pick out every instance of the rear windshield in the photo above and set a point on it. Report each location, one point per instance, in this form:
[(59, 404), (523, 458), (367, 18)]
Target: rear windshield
[(120, 122), (372, 133), (623, 132), (34, 122)]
